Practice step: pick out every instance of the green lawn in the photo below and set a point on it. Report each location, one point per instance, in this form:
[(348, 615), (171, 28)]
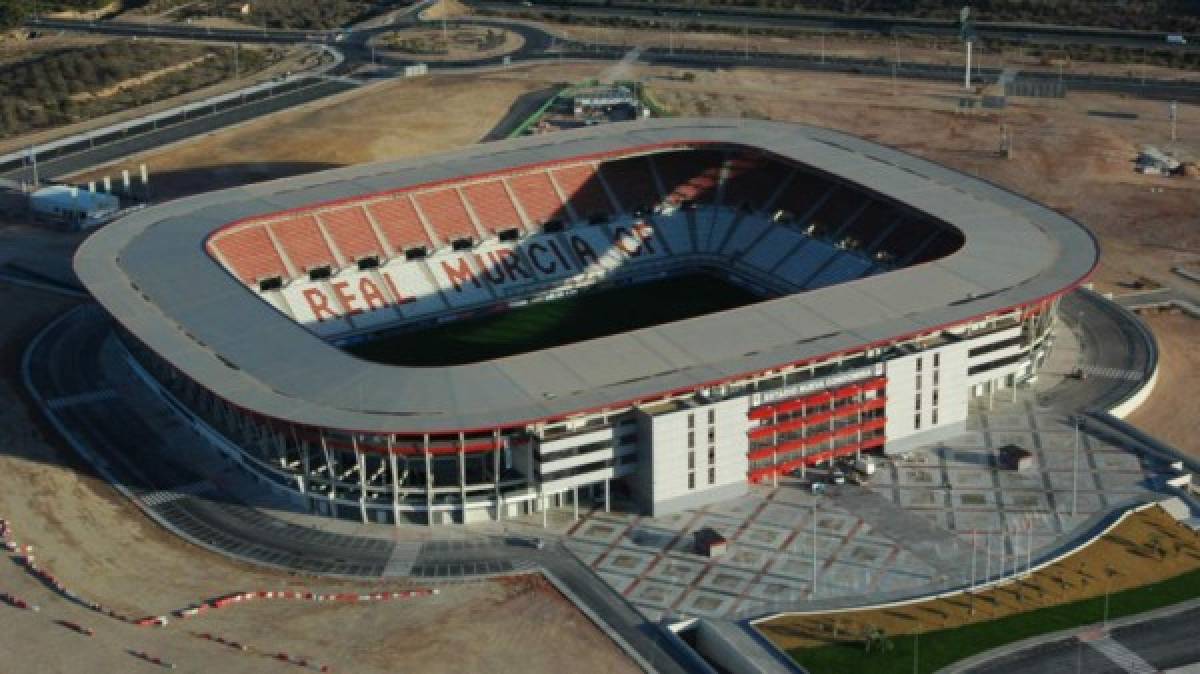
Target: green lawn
[(546, 324), (940, 648)]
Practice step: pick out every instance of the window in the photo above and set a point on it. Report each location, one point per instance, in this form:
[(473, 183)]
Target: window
[(691, 480), (935, 397), (937, 360), (917, 402), (691, 461), (712, 417), (691, 421), (691, 440), (933, 417), (712, 436), (935, 378), (712, 456), (917, 421), (918, 365), (712, 475)]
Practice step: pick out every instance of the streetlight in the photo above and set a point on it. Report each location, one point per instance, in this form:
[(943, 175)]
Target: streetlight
[(1075, 471)]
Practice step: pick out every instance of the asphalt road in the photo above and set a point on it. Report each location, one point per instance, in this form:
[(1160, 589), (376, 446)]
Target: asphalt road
[(1165, 643), (119, 145), (740, 17), (65, 373)]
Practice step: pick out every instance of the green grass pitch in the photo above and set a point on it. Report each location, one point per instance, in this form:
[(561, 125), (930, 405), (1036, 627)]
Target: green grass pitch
[(543, 325)]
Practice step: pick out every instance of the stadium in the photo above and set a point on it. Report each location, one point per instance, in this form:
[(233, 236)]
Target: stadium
[(659, 312)]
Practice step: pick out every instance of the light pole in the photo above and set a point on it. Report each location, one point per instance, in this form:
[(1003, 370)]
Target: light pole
[(1075, 472), (812, 592)]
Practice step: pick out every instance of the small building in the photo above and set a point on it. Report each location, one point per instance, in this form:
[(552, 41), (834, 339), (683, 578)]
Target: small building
[(710, 543), (1015, 458), (75, 208)]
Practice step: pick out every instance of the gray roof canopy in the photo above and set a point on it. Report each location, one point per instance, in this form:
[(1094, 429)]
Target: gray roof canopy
[(150, 270)]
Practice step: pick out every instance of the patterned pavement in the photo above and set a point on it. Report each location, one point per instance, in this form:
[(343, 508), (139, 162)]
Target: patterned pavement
[(918, 523)]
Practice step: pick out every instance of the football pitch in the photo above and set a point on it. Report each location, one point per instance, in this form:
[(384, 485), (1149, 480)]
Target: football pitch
[(542, 325)]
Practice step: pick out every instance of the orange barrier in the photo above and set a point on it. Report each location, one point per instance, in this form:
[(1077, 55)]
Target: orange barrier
[(227, 600), (17, 602)]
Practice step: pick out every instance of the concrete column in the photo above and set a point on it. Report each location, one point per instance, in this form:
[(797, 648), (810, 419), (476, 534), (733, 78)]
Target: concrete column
[(607, 496), (462, 476), (362, 480), (575, 501), (496, 474), (305, 465), (329, 470), (428, 482), (545, 515), (395, 480)]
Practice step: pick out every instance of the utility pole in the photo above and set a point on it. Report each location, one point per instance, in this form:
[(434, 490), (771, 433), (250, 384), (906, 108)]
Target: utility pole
[(1174, 115), (971, 585)]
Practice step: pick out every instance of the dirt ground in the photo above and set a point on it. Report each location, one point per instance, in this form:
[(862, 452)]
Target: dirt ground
[(101, 547), (390, 120), (1124, 558), (1174, 409)]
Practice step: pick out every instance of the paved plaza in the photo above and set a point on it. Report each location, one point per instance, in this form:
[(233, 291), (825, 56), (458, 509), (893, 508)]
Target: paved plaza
[(915, 526)]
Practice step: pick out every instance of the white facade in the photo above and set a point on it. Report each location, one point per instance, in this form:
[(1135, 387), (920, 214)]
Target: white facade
[(927, 398), (691, 454)]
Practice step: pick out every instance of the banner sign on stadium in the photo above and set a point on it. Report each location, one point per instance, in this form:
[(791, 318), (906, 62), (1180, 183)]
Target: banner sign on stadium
[(819, 384)]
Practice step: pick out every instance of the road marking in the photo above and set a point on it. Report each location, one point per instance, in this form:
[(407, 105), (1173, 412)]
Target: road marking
[(1112, 372), (157, 498), (81, 398), (1122, 656)]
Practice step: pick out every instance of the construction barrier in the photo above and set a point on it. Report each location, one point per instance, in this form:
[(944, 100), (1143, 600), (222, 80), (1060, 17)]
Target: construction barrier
[(17, 602), (231, 599), (86, 631), (299, 661), (152, 659)]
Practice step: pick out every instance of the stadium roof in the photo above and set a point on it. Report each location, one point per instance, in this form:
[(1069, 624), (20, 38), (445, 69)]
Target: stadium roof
[(151, 272)]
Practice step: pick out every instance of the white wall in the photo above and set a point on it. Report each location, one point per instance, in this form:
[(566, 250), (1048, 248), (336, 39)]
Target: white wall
[(902, 428), (663, 468)]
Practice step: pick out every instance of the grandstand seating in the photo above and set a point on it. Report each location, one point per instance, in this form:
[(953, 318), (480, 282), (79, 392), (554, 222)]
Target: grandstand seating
[(805, 192), (250, 253), (446, 214), (745, 234), (770, 254), (537, 197), (843, 266), (676, 230), (303, 243), (582, 187), (351, 233), (632, 182), (691, 175), (838, 210), (398, 221), (752, 180), (492, 206), (773, 247), (799, 268)]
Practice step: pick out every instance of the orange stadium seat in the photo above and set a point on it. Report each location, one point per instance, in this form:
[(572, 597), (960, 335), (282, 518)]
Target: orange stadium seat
[(398, 221), (444, 211), (250, 254), (492, 206), (537, 197), (691, 175), (303, 243), (351, 233), (581, 185)]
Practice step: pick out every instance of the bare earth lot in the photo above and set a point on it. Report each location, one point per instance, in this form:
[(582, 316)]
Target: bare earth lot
[(102, 548)]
